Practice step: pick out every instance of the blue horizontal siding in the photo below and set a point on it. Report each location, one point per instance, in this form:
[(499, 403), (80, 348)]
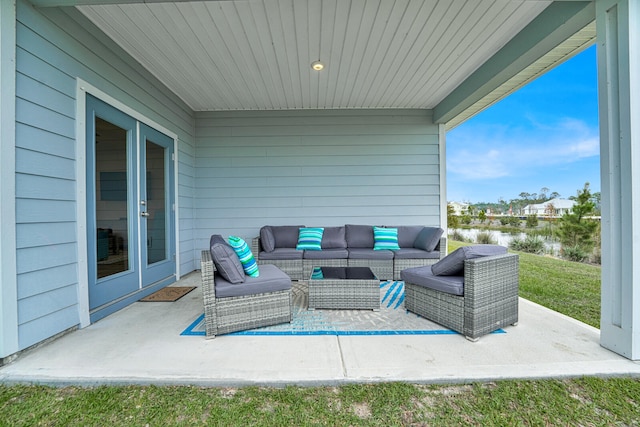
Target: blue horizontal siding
[(43, 281), (44, 304), (55, 47), (45, 257), (44, 234), (43, 164), (41, 328), (314, 168), (32, 139), (44, 187)]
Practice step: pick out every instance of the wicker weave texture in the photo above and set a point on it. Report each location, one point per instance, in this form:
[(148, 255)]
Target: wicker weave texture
[(231, 314), (401, 264), (490, 298), (292, 268), (344, 294)]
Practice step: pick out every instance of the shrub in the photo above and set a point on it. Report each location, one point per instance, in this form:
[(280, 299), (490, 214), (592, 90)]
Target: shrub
[(457, 236), (466, 219), (531, 244), (574, 253), (532, 221), (513, 221), (486, 238)]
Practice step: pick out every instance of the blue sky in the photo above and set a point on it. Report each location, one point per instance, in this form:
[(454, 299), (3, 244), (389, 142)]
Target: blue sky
[(544, 135)]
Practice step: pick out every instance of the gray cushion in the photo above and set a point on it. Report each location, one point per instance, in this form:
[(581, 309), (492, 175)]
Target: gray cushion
[(453, 264), (334, 238), (361, 253), (413, 253), (428, 238), (267, 239), (282, 253), (286, 236), (327, 254), (271, 279), (359, 236), (423, 276), (407, 234), (226, 260)]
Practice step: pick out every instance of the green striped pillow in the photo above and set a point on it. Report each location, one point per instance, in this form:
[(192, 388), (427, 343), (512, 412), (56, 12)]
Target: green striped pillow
[(385, 238), (247, 260), (310, 239)]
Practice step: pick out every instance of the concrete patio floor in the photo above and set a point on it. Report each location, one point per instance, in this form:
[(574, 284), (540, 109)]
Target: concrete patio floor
[(142, 344)]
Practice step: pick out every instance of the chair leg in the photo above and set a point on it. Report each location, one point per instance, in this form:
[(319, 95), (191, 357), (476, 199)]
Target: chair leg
[(472, 339)]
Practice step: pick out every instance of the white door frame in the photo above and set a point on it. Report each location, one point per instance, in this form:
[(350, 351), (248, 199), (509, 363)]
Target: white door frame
[(83, 88)]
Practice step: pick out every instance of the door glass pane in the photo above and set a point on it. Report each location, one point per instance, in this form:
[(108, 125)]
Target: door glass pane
[(156, 203), (112, 195)]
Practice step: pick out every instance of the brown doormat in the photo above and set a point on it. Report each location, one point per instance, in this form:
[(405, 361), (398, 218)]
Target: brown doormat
[(168, 294)]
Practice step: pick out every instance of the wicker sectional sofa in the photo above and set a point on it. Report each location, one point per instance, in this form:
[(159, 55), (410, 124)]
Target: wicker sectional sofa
[(351, 245)]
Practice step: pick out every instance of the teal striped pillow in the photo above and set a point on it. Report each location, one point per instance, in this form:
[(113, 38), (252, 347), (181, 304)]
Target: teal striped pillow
[(385, 238), (310, 239), (247, 260)]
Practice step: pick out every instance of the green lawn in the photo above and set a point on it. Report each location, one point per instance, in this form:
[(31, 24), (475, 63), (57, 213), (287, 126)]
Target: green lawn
[(570, 288), (587, 401)]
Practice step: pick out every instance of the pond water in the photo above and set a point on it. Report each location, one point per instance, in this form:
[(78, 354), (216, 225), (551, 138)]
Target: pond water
[(503, 239)]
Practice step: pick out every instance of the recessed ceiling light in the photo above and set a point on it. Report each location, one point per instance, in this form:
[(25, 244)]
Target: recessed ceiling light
[(317, 65)]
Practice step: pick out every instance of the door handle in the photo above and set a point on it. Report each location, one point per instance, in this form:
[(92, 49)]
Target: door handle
[(144, 213)]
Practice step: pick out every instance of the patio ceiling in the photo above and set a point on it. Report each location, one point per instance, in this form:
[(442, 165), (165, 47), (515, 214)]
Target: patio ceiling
[(453, 56)]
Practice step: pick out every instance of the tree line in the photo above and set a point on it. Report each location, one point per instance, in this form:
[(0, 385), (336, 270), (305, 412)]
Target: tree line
[(577, 231), (517, 205)]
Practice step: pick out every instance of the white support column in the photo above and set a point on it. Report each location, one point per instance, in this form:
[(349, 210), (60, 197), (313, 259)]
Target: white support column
[(442, 143), (8, 286), (618, 29)]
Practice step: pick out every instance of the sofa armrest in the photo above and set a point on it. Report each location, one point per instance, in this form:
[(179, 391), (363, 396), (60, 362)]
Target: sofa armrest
[(491, 278), (255, 248), (207, 272), (442, 247)]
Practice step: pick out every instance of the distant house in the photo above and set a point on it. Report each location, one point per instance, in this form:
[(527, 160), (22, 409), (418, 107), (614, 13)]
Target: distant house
[(459, 208), (554, 207)]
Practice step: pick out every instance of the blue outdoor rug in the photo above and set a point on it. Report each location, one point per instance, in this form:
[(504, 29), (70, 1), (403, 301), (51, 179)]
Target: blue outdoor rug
[(392, 319)]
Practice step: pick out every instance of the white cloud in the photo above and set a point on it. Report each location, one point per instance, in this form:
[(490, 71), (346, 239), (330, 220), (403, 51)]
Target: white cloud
[(498, 152)]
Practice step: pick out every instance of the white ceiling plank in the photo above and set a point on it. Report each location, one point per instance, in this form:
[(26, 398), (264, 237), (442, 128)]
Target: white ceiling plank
[(421, 17), (257, 55), (512, 19), (278, 41), (458, 43), (314, 27), (327, 22), (221, 65), (335, 64), (290, 45), (383, 28)]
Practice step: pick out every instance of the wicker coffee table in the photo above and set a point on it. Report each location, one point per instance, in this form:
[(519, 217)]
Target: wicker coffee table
[(347, 288)]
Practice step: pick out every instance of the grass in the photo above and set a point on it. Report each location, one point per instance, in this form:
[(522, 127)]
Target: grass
[(586, 401), (571, 288)]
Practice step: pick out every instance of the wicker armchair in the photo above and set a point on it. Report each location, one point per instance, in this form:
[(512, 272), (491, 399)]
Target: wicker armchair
[(489, 302), (231, 314)]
